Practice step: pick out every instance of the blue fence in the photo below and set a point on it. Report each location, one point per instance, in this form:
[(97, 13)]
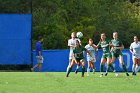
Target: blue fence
[(15, 38), (57, 60)]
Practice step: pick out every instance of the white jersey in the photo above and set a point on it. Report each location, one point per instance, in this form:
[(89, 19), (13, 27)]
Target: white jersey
[(72, 44), (92, 52), (136, 49)]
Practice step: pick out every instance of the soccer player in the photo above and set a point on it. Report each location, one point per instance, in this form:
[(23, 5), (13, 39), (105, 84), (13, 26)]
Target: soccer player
[(39, 57), (72, 45), (91, 60), (78, 58), (135, 50), (117, 46), (104, 44)]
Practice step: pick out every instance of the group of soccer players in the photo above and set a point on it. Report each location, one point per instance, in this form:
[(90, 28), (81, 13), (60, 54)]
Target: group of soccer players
[(111, 51)]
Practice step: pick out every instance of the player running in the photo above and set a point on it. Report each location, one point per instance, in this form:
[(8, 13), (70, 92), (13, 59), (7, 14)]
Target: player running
[(78, 58), (106, 57), (72, 45), (135, 50), (39, 57), (116, 52), (91, 60)]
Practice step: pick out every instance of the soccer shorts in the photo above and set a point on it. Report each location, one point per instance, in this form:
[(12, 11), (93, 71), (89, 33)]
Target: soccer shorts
[(116, 54), (106, 55), (39, 60)]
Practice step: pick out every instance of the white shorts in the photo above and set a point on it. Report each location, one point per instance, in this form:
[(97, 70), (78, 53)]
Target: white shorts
[(39, 60), (92, 59), (137, 57)]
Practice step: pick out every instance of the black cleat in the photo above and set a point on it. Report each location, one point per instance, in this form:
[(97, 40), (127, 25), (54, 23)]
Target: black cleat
[(67, 76), (127, 74), (76, 71), (133, 74), (106, 74)]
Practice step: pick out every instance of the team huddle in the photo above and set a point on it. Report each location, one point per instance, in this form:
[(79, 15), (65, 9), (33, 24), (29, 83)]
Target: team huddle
[(111, 51)]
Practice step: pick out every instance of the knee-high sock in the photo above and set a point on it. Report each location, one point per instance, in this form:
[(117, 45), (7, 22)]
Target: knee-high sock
[(83, 70), (101, 68), (137, 69), (77, 67), (133, 68), (108, 67), (88, 70), (69, 70), (68, 65), (111, 66), (124, 67)]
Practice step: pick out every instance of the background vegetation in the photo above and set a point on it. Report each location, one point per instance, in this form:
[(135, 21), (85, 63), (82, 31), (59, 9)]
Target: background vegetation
[(56, 19)]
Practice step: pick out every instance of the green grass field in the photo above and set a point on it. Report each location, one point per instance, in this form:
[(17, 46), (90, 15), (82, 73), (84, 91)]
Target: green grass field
[(31, 82)]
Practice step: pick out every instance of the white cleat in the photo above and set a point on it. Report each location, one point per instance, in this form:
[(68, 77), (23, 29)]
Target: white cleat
[(101, 75), (116, 74), (87, 74)]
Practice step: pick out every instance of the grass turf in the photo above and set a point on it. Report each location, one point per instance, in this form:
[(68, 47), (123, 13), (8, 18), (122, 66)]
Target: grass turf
[(56, 82)]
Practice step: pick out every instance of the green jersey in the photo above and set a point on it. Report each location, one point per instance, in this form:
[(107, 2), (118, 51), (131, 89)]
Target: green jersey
[(104, 46), (116, 43), (78, 52)]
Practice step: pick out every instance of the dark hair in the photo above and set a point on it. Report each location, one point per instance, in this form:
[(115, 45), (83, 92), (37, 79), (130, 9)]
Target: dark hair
[(78, 41), (100, 35), (40, 37)]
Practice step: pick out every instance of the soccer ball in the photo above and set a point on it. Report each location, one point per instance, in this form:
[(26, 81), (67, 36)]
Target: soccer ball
[(79, 34)]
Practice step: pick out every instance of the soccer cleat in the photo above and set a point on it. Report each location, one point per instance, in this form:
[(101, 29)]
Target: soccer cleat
[(76, 71), (87, 74), (82, 76), (133, 74), (116, 74), (101, 75), (106, 74), (127, 74)]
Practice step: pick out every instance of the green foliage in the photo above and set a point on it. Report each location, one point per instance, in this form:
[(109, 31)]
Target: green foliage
[(56, 19)]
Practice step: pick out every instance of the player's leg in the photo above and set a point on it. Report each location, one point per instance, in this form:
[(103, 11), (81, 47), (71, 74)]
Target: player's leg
[(93, 67), (70, 68), (108, 65), (40, 64), (103, 60), (32, 69), (71, 56), (83, 67), (134, 66), (70, 60), (88, 68), (122, 64), (37, 65), (40, 67), (137, 66), (78, 65)]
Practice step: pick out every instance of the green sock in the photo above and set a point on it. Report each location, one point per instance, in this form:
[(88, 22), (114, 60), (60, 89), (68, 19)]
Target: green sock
[(83, 70), (111, 67), (108, 67), (124, 67), (69, 70), (101, 68)]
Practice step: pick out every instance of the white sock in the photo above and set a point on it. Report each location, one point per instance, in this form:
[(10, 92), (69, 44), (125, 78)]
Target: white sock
[(68, 65), (133, 68), (137, 69), (68, 68), (93, 70), (88, 70), (77, 67)]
